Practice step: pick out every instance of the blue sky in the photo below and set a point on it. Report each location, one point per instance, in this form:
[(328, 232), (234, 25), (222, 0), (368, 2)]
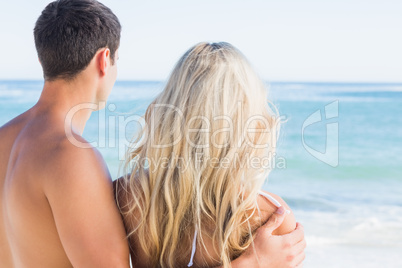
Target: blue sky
[(286, 40)]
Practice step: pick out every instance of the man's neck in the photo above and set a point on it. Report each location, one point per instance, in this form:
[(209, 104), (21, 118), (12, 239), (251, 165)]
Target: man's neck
[(65, 99)]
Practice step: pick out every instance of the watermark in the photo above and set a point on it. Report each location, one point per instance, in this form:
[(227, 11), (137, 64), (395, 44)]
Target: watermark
[(268, 162), (113, 128), (330, 155)]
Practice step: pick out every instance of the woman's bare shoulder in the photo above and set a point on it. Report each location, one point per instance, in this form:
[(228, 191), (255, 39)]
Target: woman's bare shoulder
[(267, 208), (120, 192), (131, 218)]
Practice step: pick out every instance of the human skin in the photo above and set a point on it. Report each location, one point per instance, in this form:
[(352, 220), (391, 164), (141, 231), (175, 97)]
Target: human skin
[(57, 203), (279, 242)]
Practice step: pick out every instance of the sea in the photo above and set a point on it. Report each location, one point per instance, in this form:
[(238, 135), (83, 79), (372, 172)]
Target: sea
[(338, 162)]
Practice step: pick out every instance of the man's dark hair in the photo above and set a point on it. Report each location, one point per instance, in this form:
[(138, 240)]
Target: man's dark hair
[(68, 34)]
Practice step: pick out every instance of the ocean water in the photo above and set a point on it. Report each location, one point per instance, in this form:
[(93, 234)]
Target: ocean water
[(338, 162)]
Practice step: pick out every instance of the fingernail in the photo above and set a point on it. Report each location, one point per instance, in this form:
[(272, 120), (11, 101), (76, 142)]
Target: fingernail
[(280, 210)]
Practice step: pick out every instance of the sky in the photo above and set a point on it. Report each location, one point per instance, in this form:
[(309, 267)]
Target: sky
[(285, 40)]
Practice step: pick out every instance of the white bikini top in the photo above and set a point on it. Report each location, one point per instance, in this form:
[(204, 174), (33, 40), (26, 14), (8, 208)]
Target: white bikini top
[(194, 246)]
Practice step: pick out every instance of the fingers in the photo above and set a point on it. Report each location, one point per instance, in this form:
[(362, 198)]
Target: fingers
[(298, 260), (275, 220), (300, 247), (299, 253)]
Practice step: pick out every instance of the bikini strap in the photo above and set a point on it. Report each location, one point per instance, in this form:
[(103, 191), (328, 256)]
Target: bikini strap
[(193, 249), (270, 198)]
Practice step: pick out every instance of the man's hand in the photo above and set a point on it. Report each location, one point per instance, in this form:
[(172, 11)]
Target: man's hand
[(275, 251)]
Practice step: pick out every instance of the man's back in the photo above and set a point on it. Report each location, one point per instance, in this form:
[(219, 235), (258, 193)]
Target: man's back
[(28, 234), (57, 201)]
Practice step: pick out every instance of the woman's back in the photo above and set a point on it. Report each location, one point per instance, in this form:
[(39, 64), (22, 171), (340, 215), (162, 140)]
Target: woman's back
[(200, 162), (193, 253), (206, 256)]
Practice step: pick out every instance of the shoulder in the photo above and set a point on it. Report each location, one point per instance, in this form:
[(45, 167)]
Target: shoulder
[(10, 130), (75, 157), (78, 189), (126, 187), (267, 208), (68, 165), (121, 192), (15, 122), (126, 195)]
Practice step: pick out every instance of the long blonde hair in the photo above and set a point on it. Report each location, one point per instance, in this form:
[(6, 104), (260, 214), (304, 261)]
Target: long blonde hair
[(191, 166)]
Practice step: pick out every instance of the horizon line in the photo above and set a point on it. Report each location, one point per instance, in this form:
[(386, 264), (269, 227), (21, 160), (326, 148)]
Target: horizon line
[(265, 80)]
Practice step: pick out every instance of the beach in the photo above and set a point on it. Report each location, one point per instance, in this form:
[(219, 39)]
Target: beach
[(341, 174)]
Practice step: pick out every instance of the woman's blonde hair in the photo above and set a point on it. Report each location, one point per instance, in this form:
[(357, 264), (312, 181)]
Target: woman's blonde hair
[(195, 164)]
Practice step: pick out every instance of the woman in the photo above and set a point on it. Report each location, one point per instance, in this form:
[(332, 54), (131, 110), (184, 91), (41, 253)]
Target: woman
[(193, 196)]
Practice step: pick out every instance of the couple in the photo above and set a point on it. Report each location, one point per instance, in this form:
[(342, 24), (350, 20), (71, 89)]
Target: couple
[(59, 207)]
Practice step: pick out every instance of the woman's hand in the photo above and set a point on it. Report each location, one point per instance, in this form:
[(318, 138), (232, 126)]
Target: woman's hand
[(275, 251)]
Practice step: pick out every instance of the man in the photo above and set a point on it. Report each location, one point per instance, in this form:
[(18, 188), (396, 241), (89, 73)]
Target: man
[(57, 204), (58, 208)]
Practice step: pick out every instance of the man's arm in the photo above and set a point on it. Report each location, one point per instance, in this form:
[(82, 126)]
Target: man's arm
[(274, 251), (80, 195)]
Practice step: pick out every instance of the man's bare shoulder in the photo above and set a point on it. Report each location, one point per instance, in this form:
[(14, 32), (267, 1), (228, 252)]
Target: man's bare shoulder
[(16, 121), (9, 130), (67, 163), (64, 149)]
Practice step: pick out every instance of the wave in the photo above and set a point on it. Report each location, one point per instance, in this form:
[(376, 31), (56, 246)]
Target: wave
[(20, 91), (326, 92), (147, 90), (317, 86)]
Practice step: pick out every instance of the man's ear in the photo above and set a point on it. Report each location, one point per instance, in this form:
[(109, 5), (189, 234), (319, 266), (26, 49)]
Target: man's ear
[(104, 61)]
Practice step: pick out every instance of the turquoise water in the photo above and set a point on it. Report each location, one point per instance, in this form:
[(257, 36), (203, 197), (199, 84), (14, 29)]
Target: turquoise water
[(349, 198)]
